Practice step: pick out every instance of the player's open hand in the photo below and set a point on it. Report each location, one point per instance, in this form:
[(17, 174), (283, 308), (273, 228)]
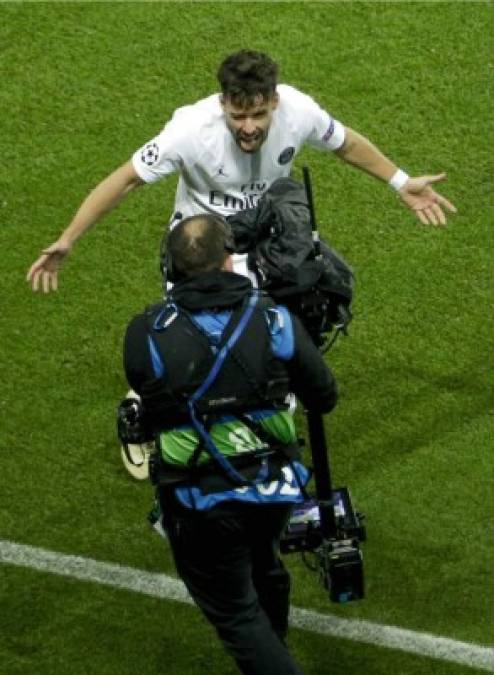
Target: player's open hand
[(429, 205), (43, 273)]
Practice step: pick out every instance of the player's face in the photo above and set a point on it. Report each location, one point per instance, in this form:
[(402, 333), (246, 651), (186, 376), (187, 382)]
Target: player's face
[(250, 124)]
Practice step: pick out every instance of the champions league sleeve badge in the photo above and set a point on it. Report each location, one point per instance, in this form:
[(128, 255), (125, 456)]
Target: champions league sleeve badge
[(329, 132), (150, 154), (286, 155)]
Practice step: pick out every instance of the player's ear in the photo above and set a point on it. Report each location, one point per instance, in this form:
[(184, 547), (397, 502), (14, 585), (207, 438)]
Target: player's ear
[(275, 100)]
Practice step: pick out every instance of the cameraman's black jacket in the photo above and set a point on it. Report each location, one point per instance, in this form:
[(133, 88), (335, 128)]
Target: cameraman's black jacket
[(252, 376)]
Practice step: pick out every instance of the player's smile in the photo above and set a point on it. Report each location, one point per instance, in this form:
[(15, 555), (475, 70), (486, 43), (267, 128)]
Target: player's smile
[(249, 123), (250, 142)]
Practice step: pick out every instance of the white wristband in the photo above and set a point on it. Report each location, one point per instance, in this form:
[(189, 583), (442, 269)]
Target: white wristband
[(398, 179)]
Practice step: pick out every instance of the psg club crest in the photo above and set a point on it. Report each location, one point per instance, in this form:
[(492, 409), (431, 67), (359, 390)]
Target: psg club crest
[(286, 155), (150, 154)]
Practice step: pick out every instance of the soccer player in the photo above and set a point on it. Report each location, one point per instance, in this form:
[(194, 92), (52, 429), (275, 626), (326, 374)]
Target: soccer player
[(229, 148)]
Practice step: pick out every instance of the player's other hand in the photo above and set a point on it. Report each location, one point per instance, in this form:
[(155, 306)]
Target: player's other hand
[(43, 273), (429, 205)]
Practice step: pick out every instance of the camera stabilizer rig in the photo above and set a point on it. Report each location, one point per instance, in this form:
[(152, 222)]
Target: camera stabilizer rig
[(327, 525)]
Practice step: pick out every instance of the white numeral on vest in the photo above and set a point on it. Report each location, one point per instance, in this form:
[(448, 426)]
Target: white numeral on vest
[(289, 487)]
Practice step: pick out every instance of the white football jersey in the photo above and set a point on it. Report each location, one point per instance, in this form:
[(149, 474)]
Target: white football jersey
[(215, 174)]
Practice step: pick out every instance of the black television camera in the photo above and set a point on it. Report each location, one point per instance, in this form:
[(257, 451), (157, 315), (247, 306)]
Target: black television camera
[(290, 262), (326, 525)]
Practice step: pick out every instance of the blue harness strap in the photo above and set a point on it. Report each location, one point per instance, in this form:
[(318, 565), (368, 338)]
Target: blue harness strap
[(209, 444)]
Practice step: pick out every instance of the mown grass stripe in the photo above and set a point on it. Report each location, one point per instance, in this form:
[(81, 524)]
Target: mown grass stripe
[(168, 588)]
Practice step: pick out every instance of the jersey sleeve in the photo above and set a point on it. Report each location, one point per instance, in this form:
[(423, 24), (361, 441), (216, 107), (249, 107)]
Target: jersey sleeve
[(321, 130), (332, 137), (163, 154)]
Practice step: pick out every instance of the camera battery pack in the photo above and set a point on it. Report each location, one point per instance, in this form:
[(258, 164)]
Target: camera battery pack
[(345, 580)]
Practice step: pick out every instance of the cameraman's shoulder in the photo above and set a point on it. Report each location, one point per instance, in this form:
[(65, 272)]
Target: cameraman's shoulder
[(138, 325)]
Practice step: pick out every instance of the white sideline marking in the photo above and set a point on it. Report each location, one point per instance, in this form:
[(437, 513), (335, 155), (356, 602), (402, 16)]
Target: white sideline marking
[(168, 588)]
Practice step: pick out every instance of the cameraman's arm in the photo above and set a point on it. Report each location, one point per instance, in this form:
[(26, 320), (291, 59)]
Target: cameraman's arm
[(310, 378), (137, 362)]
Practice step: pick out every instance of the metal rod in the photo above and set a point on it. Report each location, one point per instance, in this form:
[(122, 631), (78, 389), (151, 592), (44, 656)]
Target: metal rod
[(322, 473), (312, 211)]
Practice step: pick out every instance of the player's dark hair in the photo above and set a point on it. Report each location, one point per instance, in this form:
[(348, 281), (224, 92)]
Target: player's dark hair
[(198, 244), (247, 74)]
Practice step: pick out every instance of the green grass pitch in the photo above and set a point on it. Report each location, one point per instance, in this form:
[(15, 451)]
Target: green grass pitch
[(84, 85)]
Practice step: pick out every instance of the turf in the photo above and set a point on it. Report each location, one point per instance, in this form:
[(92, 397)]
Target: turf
[(84, 85)]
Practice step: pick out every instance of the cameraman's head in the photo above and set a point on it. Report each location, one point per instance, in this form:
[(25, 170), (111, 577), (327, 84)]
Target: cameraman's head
[(197, 245)]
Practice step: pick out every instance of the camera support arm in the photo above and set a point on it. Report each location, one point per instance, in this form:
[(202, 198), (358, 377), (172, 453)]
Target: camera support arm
[(322, 474), (333, 534), (319, 449), (310, 203)]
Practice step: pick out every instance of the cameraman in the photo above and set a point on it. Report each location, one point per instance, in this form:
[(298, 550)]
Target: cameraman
[(213, 365)]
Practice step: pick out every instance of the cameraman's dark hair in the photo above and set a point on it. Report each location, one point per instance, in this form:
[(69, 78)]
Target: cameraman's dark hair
[(247, 74), (198, 244)]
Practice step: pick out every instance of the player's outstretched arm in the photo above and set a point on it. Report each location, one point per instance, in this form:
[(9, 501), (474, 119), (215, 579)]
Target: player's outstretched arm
[(43, 273), (417, 193)]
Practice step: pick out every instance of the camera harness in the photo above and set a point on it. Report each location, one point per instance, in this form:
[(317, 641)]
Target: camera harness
[(199, 425), (202, 423)]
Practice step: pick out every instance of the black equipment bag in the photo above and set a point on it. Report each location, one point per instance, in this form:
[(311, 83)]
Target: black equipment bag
[(277, 236)]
